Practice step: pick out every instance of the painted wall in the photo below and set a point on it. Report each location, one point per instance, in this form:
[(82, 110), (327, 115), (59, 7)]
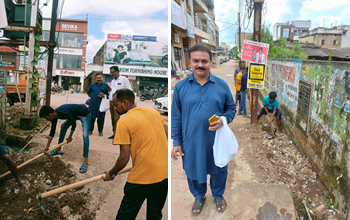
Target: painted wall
[(327, 141)]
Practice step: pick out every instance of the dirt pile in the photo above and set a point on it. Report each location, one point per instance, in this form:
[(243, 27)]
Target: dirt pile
[(275, 159), (44, 174)]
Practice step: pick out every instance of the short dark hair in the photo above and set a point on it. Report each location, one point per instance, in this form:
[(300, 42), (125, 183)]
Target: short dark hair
[(200, 47), (98, 74), (120, 46), (272, 95), (45, 111), (127, 94), (115, 68), (261, 48), (240, 62)]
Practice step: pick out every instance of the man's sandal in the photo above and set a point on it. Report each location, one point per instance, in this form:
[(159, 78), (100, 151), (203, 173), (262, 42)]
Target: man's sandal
[(54, 152), (85, 167), (220, 202), (24, 184), (198, 204)]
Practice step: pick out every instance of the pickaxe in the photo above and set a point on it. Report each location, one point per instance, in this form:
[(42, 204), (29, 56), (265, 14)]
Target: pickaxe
[(42, 197), (31, 160)]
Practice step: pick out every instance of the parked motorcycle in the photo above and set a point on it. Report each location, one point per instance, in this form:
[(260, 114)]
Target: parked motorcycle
[(58, 89), (152, 97)]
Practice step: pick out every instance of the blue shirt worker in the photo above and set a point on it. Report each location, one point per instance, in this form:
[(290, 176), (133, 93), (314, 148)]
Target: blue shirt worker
[(96, 92), (72, 113), (196, 99), (5, 156), (244, 93), (270, 108)]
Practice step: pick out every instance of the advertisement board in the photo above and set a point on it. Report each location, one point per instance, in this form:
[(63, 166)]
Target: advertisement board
[(255, 52), (123, 49), (256, 76)]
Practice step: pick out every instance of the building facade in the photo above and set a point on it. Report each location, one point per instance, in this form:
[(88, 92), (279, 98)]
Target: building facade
[(192, 22), (330, 38), (70, 53), (141, 59), (290, 30)]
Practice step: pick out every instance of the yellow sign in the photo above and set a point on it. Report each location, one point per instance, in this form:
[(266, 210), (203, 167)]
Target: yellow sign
[(256, 76)]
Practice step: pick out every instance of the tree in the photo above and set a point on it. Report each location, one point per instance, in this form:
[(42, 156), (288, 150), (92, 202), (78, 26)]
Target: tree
[(278, 49)]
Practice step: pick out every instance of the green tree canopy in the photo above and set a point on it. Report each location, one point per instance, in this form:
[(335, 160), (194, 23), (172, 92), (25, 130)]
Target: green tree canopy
[(278, 49)]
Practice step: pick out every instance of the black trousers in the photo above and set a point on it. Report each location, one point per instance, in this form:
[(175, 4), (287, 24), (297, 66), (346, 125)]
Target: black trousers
[(135, 195)]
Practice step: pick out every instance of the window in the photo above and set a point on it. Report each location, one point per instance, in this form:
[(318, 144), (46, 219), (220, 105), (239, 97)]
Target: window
[(334, 42), (65, 61), (292, 30), (65, 39), (322, 42), (285, 32)]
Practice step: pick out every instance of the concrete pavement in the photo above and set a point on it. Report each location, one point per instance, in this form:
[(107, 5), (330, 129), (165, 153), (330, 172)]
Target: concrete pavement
[(246, 198), (106, 196)]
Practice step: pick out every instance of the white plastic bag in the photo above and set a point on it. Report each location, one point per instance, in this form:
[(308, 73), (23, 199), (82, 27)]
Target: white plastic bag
[(104, 106), (225, 145)]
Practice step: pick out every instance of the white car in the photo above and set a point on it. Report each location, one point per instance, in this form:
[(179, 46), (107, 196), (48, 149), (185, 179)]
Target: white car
[(161, 104)]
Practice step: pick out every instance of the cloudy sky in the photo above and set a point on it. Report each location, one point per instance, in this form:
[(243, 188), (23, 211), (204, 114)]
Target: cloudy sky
[(134, 17), (318, 11)]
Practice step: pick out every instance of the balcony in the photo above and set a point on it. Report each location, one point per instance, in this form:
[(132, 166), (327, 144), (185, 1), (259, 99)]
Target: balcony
[(201, 29), (210, 3), (199, 7)]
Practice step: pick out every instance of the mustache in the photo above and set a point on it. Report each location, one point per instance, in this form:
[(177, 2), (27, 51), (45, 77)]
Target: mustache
[(200, 68)]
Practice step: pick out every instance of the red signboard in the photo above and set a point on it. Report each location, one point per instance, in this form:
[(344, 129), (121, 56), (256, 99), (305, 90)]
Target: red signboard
[(255, 52), (114, 36)]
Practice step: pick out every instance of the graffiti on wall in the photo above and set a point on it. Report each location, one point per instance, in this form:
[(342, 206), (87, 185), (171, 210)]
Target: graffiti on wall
[(330, 99), (284, 79), (265, 91)]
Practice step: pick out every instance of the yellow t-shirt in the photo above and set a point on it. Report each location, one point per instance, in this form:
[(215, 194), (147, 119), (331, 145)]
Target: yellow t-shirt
[(238, 77), (142, 128)]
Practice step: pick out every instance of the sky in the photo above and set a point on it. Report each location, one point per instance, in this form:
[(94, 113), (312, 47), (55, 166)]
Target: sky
[(133, 17), (319, 12)]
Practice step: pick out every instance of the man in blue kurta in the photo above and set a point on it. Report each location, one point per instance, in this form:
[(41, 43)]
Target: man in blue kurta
[(96, 92), (195, 100)]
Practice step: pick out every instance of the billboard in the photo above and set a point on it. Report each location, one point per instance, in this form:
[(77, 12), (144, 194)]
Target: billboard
[(123, 49), (255, 52), (256, 76)]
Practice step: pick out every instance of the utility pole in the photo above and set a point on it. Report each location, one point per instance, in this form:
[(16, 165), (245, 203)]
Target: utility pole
[(239, 26), (33, 19), (51, 48), (258, 6)]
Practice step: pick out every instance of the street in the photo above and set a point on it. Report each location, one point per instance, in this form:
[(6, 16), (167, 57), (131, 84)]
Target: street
[(246, 197), (106, 196)]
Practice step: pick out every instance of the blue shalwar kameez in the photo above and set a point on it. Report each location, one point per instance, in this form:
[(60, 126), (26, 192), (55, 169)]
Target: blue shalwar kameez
[(192, 106), (94, 90)]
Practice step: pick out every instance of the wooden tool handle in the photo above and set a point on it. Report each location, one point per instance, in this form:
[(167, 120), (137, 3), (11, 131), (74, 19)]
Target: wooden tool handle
[(77, 184), (36, 157)]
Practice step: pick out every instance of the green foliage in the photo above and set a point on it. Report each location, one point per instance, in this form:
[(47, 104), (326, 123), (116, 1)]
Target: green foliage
[(278, 49), (325, 194), (12, 122), (330, 57)]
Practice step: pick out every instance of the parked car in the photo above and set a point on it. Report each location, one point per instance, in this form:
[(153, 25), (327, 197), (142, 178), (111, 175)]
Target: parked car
[(161, 104)]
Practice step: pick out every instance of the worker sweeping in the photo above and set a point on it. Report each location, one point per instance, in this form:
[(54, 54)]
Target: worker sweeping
[(141, 133), (70, 112), (4, 156)]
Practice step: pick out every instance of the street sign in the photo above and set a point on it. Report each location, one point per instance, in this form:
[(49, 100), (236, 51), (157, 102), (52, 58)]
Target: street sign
[(255, 51), (3, 78), (256, 76)]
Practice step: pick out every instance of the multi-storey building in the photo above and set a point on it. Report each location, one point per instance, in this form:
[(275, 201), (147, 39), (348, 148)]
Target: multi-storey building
[(192, 22), (290, 30)]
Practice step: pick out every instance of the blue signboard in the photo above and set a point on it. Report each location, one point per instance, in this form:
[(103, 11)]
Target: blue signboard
[(337, 102), (144, 38)]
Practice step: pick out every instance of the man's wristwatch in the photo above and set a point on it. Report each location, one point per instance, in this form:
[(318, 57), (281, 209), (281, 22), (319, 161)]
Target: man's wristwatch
[(112, 175)]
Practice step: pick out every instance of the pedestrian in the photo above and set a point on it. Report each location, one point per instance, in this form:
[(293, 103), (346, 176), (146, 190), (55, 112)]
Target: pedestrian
[(271, 109), (238, 70), (96, 92), (238, 78), (196, 99), (71, 112), (244, 93), (142, 134), (5, 156), (118, 82)]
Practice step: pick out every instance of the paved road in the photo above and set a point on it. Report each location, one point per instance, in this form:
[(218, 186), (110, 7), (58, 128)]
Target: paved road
[(106, 196), (246, 198)]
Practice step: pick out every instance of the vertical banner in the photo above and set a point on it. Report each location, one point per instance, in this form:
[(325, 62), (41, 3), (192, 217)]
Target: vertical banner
[(3, 77), (256, 76)]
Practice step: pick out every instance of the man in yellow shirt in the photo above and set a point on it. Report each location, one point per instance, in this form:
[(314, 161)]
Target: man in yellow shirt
[(143, 134), (238, 87)]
